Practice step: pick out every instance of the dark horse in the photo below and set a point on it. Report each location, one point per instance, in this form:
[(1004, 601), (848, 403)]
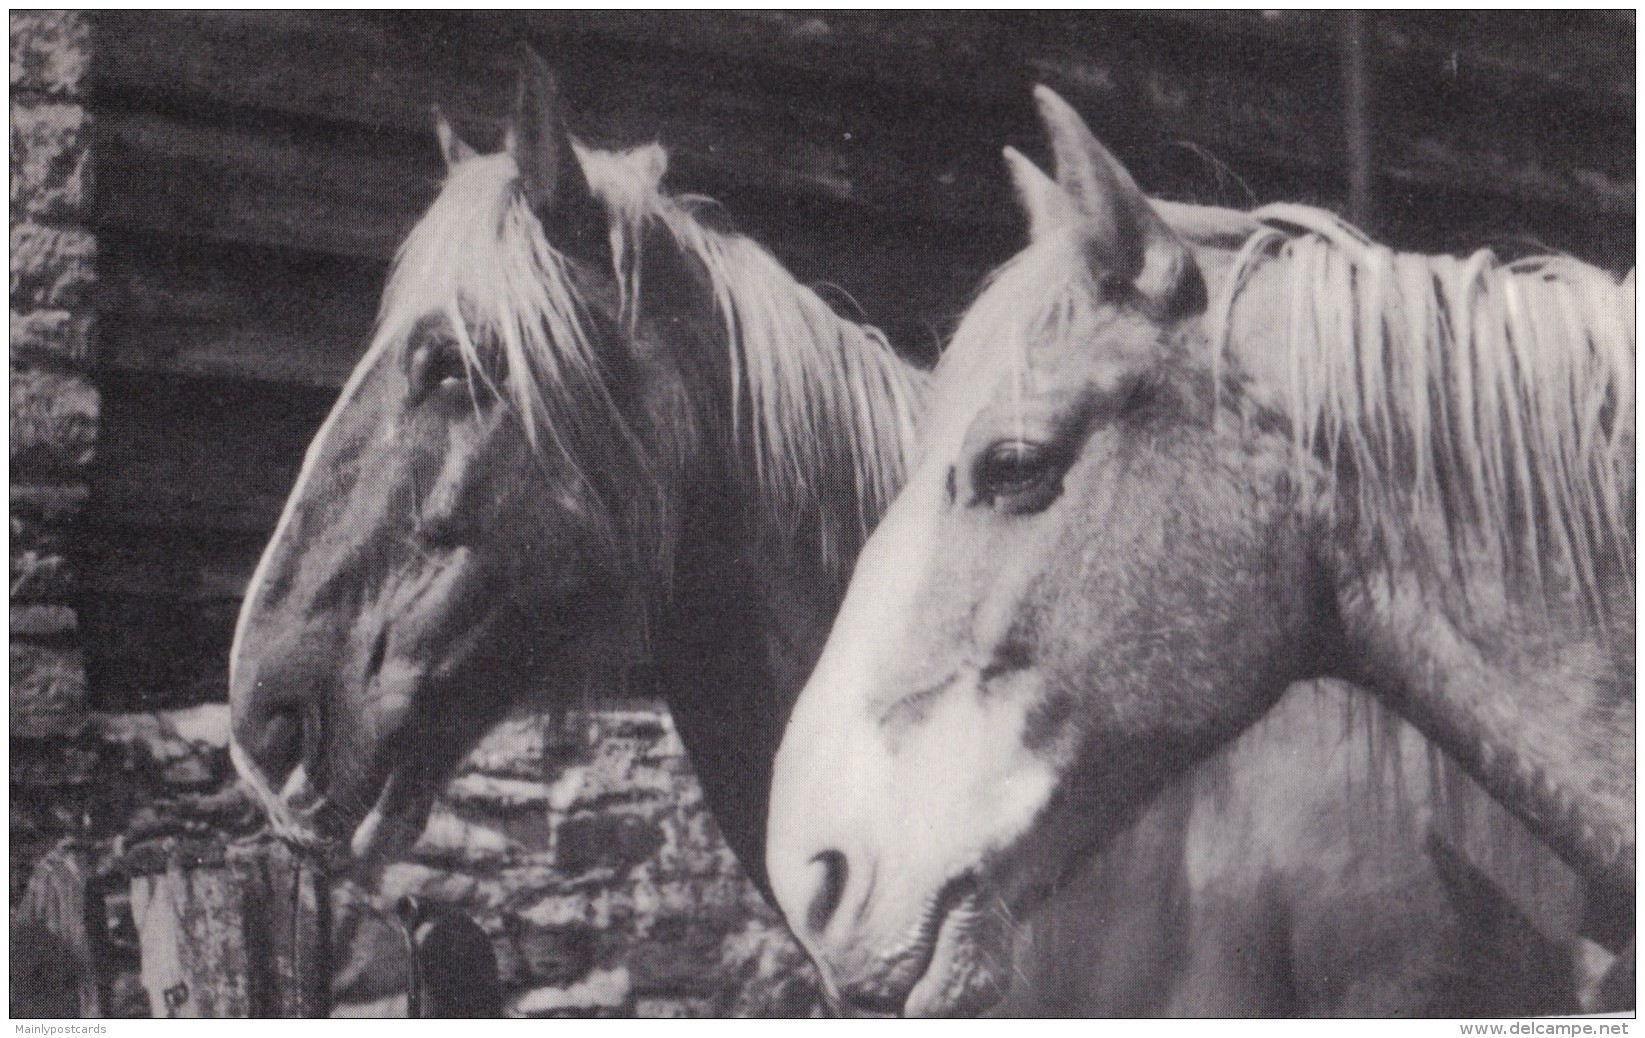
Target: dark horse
[(590, 429), (1138, 518)]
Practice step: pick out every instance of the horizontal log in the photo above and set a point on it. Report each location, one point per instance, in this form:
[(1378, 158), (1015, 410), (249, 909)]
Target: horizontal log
[(1444, 136), (367, 75), (1585, 52), (238, 186), (791, 130), (345, 194), (206, 309), (200, 456)]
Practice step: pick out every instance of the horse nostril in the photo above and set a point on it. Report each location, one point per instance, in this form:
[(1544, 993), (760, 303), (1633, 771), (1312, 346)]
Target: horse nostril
[(283, 743), (830, 870), (379, 652)]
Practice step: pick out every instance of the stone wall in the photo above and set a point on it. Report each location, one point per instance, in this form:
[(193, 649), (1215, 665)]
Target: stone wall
[(579, 842), (582, 844), (54, 413)]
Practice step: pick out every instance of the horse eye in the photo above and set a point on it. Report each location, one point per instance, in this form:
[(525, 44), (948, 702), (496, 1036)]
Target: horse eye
[(1017, 476)]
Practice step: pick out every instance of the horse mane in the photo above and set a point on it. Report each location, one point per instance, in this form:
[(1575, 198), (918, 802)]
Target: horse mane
[(1482, 412), (1484, 406), (813, 395)]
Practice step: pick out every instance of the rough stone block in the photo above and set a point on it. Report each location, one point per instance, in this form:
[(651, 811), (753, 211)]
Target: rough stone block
[(555, 954), (493, 794), (42, 621), (772, 975), (48, 691), (604, 840), (177, 814), (54, 335), (185, 747), (50, 51), (38, 576), (661, 903), (584, 908), (49, 762), (53, 419), (440, 884), (522, 747), (606, 992), (51, 267), (49, 169), (673, 1008), (40, 517), (689, 964), (644, 724), (515, 829), (451, 838)]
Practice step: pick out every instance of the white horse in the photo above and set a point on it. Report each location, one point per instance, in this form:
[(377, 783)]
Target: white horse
[(1135, 521)]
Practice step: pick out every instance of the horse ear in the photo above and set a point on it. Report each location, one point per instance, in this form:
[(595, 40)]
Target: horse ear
[(1048, 206), (453, 147), (1127, 236), (551, 176)]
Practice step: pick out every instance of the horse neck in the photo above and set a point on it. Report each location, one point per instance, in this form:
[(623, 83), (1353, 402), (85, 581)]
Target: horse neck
[(733, 647), (1303, 825), (761, 557), (1114, 939), (1534, 700), (1537, 706)]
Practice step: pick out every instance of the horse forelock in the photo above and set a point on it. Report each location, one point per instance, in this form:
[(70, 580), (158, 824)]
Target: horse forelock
[(811, 392), (1484, 408)]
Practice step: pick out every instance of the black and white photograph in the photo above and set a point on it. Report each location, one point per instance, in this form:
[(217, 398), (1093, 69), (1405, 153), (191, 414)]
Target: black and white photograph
[(634, 514)]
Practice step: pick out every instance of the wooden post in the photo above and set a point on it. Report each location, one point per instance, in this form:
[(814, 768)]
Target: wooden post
[(189, 927), (1356, 89), (287, 906), (234, 931), (53, 967)]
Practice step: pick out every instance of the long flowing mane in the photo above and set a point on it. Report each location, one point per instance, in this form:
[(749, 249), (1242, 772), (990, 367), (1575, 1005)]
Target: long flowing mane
[(814, 397), (1484, 406)]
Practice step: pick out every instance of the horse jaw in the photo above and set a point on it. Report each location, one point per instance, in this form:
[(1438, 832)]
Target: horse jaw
[(395, 820)]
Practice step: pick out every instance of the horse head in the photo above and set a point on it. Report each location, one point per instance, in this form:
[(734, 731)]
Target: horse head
[(1138, 518), (464, 524), (591, 429), (1012, 672)]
